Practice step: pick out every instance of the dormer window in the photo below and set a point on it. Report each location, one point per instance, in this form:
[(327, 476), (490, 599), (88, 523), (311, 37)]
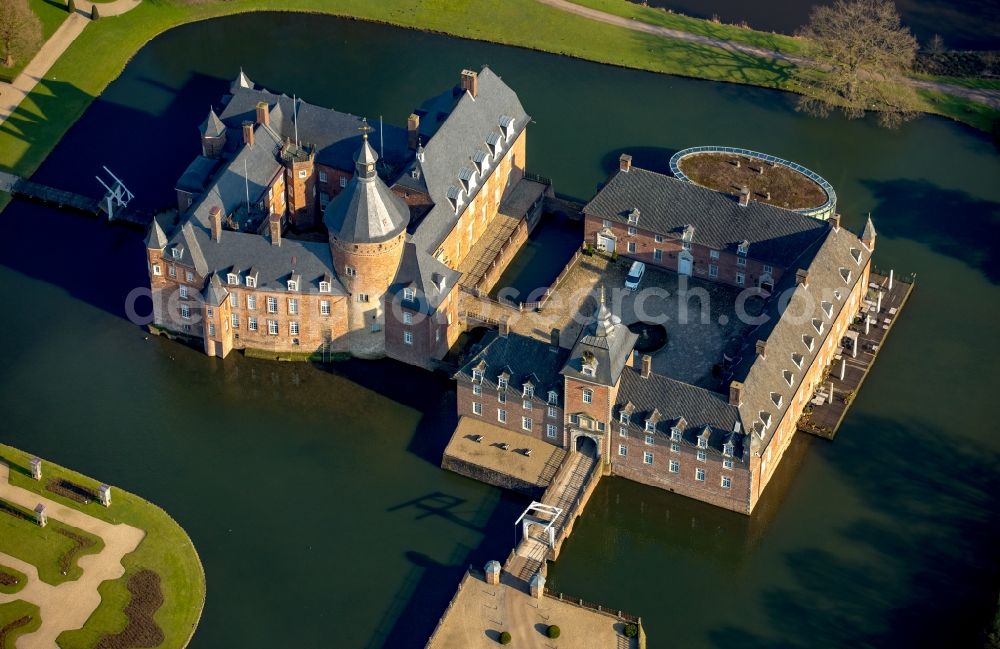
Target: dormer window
[(789, 377), (838, 295), (650, 426), (177, 252), (727, 449), (324, 287), (797, 359), (856, 254), (776, 399), (493, 140), (633, 215), (588, 370), (293, 285), (477, 375), (818, 325), (827, 308), (468, 178), (455, 196), (528, 391), (688, 234), (409, 293), (481, 159), (765, 418), (702, 442), (742, 249), (675, 434), (507, 124), (553, 397), (232, 279), (845, 273), (809, 341), (624, 418), (251, 282), (502, 383)]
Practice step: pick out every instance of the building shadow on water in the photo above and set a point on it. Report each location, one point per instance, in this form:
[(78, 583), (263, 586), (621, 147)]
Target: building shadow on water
[(950, 222), (920, 570)]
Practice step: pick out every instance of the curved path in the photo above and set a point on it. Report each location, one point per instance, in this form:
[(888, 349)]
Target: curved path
[(11, 94), (990, 98), (67, 606)]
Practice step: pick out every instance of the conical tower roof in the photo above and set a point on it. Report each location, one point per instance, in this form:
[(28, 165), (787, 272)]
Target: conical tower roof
[(241, 81), (213, 126), (869, 233), (366, 211), (604, 321), (157, 238), (215, 293)]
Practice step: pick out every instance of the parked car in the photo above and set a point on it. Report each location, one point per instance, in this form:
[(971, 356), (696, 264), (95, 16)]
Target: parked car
[(635, 274)]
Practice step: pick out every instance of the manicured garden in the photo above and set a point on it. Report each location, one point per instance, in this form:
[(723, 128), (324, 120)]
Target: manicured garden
[(160, 597), (11, 580), (54, 549), (17, 618)]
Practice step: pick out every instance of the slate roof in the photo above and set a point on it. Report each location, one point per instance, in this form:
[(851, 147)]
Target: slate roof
[(423, 272), (366, 211), (212, 126), (197, 174), (523, 359), (336, 135), (869, 233), (157, 238), (465, 130), (608, 341), (215, 293), (675, 400), (667, 205), (784, 330)]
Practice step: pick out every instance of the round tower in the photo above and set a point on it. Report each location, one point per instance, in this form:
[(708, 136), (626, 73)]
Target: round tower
[(366, 223)]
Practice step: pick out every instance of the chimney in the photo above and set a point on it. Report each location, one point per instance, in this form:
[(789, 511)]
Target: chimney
[(762, 348), (647, 365), (215, 215), (248, 133), (835, 222), (735, 393), (554, 340), (413, 130), (625, 162), (744, 197), (470, 82), (274, 223), (263, 113), (802, 277)]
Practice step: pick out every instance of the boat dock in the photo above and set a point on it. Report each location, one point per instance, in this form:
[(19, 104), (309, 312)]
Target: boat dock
[(63, 200), (883, 305)]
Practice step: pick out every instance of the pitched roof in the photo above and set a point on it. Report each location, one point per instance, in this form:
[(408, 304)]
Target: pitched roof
[(241, 81), (212, 126), (425, 274), (157, 238), (869, 233), (366, 211), (674, 401), (336, 135), (784, 331), (215, 293), (668, 205), (522, 358), (197, 174), (459, 126), (606, 342)]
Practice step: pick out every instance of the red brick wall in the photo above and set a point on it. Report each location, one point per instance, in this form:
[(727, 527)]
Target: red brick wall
[(515, 411)]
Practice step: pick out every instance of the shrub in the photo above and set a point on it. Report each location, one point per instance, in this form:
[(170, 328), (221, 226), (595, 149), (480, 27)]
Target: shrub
[(631, 630), (552, 631), (94, 13), (504, 638)]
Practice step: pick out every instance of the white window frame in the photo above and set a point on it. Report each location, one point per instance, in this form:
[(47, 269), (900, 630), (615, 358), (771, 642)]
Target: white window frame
[(588, 395), (272, 327), (324, 307), (293, 328), (477, 408), (527, 423), (647, 457), (675, 466), (699, 474), (501, 415), (252, 323), (551, 431), (622, 450), (407, 337)]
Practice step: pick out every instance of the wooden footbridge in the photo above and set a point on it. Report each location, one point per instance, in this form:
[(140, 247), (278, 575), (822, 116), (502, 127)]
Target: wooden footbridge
[(114, 204)]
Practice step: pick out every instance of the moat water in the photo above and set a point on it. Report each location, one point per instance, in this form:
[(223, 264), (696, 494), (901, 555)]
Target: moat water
[(314, 496)]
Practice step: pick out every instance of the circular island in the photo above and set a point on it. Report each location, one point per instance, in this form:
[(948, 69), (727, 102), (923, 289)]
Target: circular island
[(652, 337), (769, 179)]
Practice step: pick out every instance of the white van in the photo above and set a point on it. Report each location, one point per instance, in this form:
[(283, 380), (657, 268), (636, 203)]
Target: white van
[(635, 274)]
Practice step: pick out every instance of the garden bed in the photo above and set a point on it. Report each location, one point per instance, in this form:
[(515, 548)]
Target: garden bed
[(787, 188)]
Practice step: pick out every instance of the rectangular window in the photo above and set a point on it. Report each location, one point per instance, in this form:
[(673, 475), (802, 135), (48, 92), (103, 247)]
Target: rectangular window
[(251, 302), (408, 337), (658, 238), (741, 279), (631, 246), (699, 475), (293, 328), (350, 272), (188, 276), (233, 300), (185, 312), (713, 270), (172, 271), (407, 317), (477, 408), (649, 439), (211, 329), (632, 232), (501, 415), (363, 297), (184, 292), (701, 456), (302, 173), (605, 223), (502, 397), (324, 307), (623, 432), (552, 412), (526, 404), (702, 442), (272, 327), (501, 383), (156, 269), (210, 312), (647, 458), (324, 287), (553, 397), (675, 448), (526, 423), (686, 245), (768, 268), (343, 181), (272, 304), (714, 254), (251, 282), (477, 389), (726, 482), (622, 450), (409, 294), (252, 324), (322, 176), (551, 431), (741, 261), (675, 466), (727, 464), (293, 306), (658, 255), (588, 396), (236, 321)]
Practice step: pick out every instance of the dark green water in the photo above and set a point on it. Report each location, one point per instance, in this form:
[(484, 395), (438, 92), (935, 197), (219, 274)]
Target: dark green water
[(315, 498)]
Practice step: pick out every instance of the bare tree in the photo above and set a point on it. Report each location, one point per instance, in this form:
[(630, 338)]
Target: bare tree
[(861, 51), (20, 29)]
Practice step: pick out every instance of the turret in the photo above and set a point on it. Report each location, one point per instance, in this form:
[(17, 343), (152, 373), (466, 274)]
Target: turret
[(213, 135), (868, 236)]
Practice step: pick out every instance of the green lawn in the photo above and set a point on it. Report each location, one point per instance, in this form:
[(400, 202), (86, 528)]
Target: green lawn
[(13, 611), (966, 82), (166, 549), (48, 548), (972, 113), (21, 578), (51, 16)]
